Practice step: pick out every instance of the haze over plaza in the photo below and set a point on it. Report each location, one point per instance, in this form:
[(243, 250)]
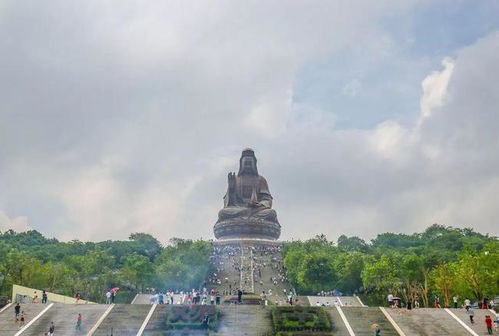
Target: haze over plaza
[(366, 117)]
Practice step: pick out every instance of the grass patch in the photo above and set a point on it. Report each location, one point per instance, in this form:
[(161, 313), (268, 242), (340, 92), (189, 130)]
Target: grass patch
[(298, 320)]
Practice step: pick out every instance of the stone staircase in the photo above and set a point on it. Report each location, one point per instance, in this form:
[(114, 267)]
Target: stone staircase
[(426, 322), (244, 320), (146, 299), (229, 277), (339, 328), (362, 318), (155, 326), (235, 320), (271, 262), (350, 301), (124, 320), (479, 318), (249, 320), (64, 318), (246, 275), (248, 255), (346, 301), (8, 324)]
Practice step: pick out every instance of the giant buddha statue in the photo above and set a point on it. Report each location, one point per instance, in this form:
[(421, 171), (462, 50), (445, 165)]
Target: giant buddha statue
[(247, 211)]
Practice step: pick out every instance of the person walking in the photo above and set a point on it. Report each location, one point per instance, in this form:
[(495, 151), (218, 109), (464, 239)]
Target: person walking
[(44, 296), (437, 302), (51, 329), (471, 313), (78, 321), (17, 310), (21, 319), (455, 298), (77, 297), (239, 296), (35, 298), (488, 324), (263, 299), (377, 329), (467, 304)]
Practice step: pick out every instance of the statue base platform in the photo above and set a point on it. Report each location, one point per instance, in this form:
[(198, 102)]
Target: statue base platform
[(247, 228)]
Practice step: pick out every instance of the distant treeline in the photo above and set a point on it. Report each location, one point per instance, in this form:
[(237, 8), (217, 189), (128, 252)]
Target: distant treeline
[(30, 259), (442, 261)]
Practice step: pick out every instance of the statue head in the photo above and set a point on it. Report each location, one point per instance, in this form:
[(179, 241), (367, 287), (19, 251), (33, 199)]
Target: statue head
[(247, 163)]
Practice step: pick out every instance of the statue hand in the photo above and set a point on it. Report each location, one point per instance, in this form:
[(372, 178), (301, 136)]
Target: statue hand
[(255, 204)]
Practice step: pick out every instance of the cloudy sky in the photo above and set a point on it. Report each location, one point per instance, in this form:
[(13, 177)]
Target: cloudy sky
[(366, 116)]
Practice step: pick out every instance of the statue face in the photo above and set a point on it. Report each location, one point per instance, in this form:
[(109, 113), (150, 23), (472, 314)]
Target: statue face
[(248, 165)]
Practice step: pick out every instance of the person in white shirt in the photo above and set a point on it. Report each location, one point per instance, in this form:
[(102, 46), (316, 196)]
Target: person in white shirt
[(108, 297), (467, 304), (390, 300)]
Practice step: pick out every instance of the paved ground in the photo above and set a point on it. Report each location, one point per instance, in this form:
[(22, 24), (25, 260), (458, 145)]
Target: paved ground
[(362, 318), (64, 318), (9, 326), (124, 320), (339, 327), (426, 322), (479, 318), (245, 321)]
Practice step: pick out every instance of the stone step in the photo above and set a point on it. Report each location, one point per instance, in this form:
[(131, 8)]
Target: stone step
[(8, 324), (426, 322), (64, 318), (362, 318), (247, 279), (146, 299), (479, 319), (347, 301), (351, 301), (123, 320), (235, 320), (339, 328), (156, 323), (245, 321)]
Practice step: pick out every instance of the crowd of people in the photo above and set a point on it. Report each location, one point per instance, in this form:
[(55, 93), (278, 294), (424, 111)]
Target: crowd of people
[(254, 268), (193, 297), (226, 268)]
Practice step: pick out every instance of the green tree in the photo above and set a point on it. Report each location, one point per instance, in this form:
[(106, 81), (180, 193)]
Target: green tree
[(138, 270), (444, 279), (317, 273)]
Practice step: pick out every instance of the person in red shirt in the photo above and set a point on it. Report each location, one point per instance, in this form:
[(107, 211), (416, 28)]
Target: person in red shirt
[(488, 323)]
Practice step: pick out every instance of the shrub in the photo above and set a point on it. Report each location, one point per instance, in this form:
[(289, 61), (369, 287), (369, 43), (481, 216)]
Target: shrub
[(300, 319)]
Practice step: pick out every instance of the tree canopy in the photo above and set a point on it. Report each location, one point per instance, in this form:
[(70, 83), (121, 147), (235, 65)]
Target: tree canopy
[(442, 260)]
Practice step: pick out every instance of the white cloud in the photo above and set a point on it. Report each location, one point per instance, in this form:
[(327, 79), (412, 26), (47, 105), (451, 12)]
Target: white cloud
[(18, 224), (435, 88), (132, 123)]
